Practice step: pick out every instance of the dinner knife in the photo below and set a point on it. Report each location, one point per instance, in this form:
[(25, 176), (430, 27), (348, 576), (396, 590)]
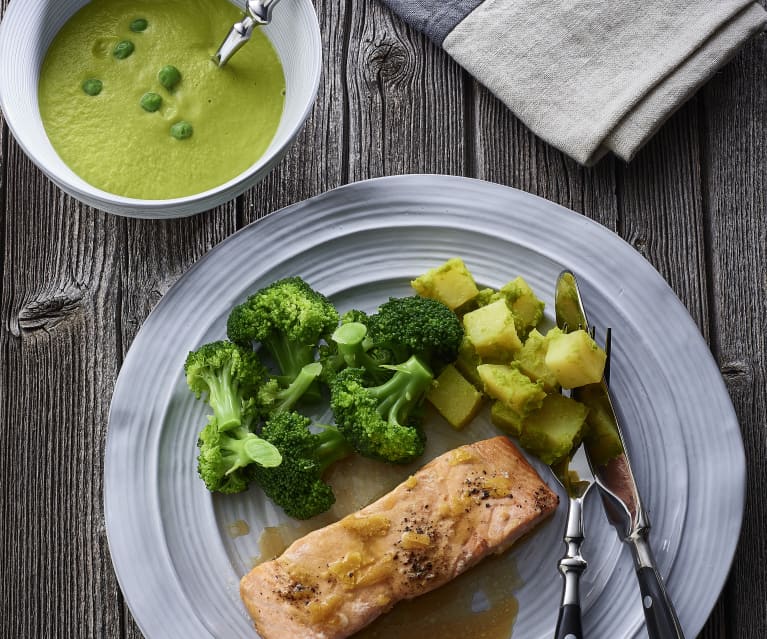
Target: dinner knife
[(606, 451)]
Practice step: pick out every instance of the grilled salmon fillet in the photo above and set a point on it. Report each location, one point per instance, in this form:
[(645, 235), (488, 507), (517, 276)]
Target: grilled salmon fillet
[(460, 507)]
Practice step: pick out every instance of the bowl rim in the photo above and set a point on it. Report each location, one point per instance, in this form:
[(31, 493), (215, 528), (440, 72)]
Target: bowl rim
[(185, 205)]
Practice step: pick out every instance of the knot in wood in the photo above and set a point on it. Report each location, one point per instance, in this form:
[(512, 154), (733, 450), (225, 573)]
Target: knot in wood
[(737, 373), (49, 309), (391, 62)]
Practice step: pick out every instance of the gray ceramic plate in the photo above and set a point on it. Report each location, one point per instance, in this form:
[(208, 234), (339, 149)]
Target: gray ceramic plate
[(177, 564)]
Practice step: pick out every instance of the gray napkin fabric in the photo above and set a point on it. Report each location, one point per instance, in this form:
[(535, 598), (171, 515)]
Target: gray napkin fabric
[(589, 76)]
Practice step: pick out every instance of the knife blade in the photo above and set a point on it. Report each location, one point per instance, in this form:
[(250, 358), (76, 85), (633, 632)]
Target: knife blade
[(606, 452)]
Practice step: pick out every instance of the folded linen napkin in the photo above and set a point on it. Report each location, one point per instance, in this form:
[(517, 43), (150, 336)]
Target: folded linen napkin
[(589, 76)]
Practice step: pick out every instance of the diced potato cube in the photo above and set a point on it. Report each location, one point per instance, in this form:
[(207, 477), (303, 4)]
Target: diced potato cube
[(575, 359), (531, 360), (506, 419), (492, 332), (551, 432), (483, 298), (451, 283), (467, 363), (455, 397), (513, 388), (601, 431), (527, 308)]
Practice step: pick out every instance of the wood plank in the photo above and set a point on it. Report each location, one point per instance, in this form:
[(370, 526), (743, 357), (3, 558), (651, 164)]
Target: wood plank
[(735, 194), (4, 135), (661, 209), (158, 252), (405, 100), (79, 285), (59, 363), (76, 284), (505, 151), (317, 161)]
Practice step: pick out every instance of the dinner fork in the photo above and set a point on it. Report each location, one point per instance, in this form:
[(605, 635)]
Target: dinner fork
[(572, 564), (576, 478)]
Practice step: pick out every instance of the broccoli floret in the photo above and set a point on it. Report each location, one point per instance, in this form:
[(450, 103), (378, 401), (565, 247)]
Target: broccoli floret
[(354, 349), (296, 484), (274, 398), (355, 315), (227, 455), (288, 318), (417, 326), (226, 375), (382, 421), (332, 362)]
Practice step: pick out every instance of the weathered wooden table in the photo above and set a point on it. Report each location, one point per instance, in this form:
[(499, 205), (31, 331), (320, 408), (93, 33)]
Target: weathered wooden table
[(77, 283)]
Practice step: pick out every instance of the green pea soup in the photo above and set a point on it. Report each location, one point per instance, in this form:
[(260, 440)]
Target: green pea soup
[(207, 127)]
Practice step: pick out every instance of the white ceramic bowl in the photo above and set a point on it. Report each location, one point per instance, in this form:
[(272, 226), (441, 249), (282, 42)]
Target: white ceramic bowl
[(27, 30)]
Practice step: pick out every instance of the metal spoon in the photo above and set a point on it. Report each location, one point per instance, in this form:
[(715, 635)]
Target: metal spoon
[(257, 13)]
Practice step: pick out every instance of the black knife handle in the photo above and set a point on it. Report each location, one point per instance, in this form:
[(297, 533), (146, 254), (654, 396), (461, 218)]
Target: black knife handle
[(569, 622), (662, 622), (658, 610)]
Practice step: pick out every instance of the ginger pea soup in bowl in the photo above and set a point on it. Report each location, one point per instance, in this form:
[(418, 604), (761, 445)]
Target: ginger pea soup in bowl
[(120, 104)]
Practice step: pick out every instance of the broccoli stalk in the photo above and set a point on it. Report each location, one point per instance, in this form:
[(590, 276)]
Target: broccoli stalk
[(381, 421), (227, 375), (297, 483), (404, 391), (273, 398), (289, 356), (225, 456), (352, 343)]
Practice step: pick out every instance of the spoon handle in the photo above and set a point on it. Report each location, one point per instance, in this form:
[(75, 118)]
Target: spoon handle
[(261, 10)]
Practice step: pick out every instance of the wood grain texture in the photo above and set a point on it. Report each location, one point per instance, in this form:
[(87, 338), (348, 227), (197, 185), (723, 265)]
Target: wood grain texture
[(405, 100), (735, 188), (506, 152), (318, 160), (661, 211), (60, 360), (76, 284)]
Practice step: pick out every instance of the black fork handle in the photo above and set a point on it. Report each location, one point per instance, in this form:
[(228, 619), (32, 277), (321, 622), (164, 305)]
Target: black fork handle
[(569, 622)]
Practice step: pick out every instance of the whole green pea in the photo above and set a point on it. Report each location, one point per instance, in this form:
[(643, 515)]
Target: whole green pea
[(181, 130), (138, 25), (92, 86), (123, 49), (169, 76), (150, 102)]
